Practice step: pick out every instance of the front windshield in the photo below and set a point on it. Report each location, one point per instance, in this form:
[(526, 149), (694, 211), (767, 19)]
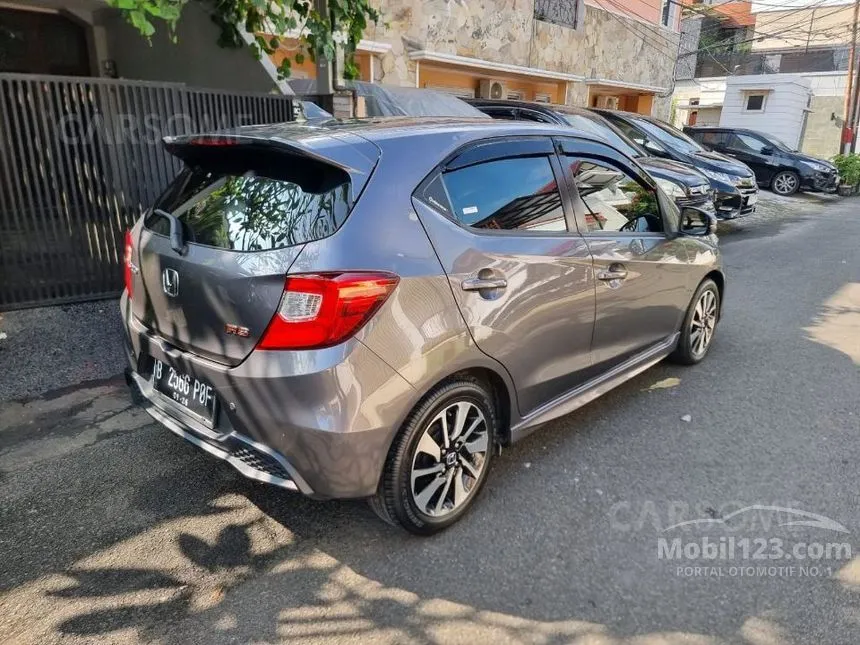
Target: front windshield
[(604, 131), (669, 136), (776, 143)]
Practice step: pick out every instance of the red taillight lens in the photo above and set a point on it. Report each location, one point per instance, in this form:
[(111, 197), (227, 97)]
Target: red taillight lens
[(129, 249), (322, 310)]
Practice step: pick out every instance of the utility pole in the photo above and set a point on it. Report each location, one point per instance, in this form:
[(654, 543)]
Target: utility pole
[(850, 123)]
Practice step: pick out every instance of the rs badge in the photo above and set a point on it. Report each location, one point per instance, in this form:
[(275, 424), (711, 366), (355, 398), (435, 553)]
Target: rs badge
[(236, 330)]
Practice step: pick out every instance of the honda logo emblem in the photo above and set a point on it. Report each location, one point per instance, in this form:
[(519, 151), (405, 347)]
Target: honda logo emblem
[(170, 282)]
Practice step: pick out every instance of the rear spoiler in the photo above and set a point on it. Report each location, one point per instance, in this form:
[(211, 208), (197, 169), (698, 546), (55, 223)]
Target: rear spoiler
[(350, 153)]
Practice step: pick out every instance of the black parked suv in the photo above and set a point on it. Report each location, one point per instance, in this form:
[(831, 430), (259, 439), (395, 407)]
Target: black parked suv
[(686, 185), (736, 190), (776, 165)]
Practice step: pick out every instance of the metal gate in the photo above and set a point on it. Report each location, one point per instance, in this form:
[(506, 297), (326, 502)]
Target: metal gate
[(80, 159)]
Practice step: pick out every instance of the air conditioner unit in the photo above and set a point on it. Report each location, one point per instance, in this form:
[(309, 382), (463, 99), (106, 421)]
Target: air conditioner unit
[(607, 102), (492, 89)]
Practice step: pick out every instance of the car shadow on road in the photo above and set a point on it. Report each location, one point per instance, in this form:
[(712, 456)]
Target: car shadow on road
[(199, 554)]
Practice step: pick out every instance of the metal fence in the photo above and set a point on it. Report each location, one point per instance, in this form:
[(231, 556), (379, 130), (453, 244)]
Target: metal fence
[(80, 159)]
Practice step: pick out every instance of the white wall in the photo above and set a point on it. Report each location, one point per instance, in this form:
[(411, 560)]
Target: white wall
[(784, 111), (828, 83)]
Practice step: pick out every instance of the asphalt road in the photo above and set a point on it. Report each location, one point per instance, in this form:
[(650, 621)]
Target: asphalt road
[(112, 530)]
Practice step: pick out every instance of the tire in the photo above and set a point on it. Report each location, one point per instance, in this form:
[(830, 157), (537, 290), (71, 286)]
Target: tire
[(785, 183), (447, 487), (689, 351)]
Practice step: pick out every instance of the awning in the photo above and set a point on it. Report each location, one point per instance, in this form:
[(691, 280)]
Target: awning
[(624, 85), (486, 65)]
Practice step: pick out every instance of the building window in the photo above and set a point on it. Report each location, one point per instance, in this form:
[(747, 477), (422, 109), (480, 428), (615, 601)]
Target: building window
[(755, 102), (669, 13), (560, 12)]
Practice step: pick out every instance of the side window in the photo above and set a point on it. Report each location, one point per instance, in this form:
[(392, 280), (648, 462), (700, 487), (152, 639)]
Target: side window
[(514, 194), (747, 143), (632, 133), (613, 200), (712, 139)]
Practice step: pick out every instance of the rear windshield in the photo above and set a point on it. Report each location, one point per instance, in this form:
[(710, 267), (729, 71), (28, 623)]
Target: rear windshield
[(262, 206)]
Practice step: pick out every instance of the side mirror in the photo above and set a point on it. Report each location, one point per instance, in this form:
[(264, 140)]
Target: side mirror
[(654, 148), (767, 150), (697, 222)]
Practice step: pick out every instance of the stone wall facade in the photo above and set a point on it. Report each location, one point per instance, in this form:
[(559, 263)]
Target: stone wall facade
[(605, 46)]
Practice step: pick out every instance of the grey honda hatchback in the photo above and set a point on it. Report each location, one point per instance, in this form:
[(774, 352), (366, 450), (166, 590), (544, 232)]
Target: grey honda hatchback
[(369, 309)]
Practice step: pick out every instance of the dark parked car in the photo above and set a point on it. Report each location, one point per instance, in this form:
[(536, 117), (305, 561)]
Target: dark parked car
[(369, 308), (736, 190), (776, 165), (686, 185)]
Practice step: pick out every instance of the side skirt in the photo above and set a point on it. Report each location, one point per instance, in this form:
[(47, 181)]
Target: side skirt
[(587, 392)]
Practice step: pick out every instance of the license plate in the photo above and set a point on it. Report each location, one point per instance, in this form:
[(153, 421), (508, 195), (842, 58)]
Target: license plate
[(191, 393), (751, 200)]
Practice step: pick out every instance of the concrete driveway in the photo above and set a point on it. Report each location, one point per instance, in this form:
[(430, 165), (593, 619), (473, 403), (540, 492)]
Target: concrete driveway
[(113, 530)]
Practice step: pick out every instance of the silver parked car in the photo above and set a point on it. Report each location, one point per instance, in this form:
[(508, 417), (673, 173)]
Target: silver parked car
[(367, 309)]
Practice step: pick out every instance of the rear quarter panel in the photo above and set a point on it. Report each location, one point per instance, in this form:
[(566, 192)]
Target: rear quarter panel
[(419, 331)]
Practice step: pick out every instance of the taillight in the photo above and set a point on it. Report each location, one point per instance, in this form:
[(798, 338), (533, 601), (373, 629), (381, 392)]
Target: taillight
[(321, 310), (127, 264)]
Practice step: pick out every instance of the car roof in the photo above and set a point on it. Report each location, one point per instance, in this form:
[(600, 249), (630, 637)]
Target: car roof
[(387, 128), (704, 128), (529, 105), (623, 114)]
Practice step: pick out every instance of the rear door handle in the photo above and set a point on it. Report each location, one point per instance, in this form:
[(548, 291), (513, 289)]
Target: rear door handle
[(479, 284), (614, 272)]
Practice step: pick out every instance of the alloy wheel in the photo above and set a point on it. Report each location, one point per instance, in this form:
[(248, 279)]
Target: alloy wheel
[(703, 323), (449, 459), (785, 183)]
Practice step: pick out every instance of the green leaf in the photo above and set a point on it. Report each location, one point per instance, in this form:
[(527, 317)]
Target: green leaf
[(257, 16), (141, 23)]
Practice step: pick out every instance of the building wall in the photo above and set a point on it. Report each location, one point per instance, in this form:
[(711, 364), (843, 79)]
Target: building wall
[(691, 32), (606, 45), (195, 59), (823, 133), (826, 25), (784, 110), (646, 10), (708, 116), (824, 127)]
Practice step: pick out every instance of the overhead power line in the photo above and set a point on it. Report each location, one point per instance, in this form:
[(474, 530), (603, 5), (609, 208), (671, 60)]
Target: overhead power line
[(759, 35)]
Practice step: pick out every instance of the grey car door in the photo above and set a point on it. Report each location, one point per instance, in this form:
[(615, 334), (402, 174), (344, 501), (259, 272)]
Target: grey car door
[(642, 286), (519, 271)]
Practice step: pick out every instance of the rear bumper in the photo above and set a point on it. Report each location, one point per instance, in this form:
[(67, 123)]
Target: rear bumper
[(312, 421)]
